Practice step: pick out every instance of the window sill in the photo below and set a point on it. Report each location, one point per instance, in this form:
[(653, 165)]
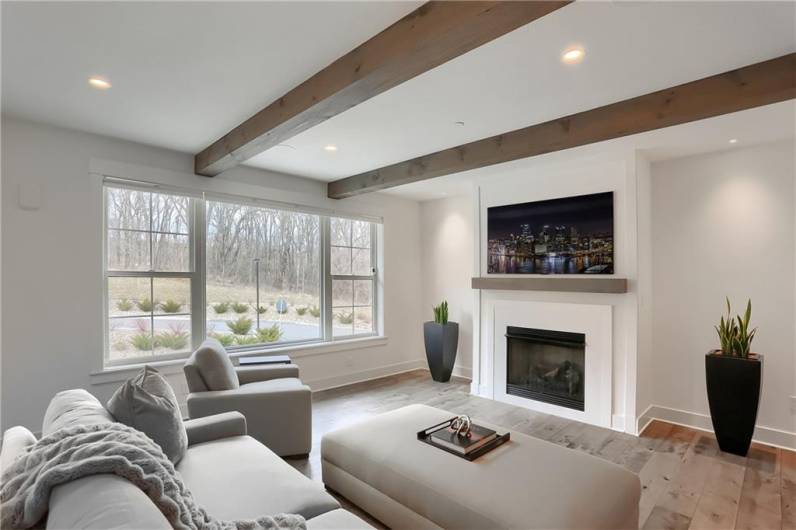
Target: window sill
[(114, 374)]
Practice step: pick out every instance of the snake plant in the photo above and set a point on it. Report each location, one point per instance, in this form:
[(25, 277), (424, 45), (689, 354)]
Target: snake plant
[(734, 334), (441, 313)]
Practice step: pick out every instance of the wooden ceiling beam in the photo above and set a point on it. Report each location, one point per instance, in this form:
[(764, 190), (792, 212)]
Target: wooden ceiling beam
[(433, 34), (744, 88)]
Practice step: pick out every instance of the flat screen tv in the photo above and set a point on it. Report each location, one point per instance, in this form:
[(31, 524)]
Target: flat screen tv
[(572, 235)]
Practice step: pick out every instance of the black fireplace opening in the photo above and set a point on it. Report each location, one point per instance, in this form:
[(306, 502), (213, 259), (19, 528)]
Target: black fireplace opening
[(546, 365)]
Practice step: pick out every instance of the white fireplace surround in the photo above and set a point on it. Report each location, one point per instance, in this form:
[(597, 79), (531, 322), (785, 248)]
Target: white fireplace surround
[(594, 321)]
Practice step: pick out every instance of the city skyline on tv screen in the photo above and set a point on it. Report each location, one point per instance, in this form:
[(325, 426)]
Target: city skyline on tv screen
[(571, 235)]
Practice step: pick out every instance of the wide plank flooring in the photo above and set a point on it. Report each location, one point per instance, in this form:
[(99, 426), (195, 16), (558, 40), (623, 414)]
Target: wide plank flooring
[(687, 483)]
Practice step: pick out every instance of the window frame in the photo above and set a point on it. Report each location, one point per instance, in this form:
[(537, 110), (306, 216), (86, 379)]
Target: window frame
[(198, 272), (192, 275), (373, 278)]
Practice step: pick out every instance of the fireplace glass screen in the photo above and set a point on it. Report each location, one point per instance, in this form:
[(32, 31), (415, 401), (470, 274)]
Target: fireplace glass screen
[(547, 366)]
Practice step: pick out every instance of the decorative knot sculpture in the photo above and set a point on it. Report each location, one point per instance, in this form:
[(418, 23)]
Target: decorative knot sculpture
[(462, 425)]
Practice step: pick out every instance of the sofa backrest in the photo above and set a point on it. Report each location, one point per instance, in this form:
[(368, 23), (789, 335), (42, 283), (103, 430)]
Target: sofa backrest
[(74, 407), (209, 368), (97, 501)]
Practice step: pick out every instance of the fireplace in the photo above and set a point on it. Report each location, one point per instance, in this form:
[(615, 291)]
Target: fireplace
[(546, 365)]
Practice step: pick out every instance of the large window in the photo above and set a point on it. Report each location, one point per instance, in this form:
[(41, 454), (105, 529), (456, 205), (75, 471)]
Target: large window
[(180, 268), (149, 274), (263, 275)]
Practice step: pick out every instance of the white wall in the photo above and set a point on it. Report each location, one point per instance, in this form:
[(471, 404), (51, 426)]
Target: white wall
[(52, 270), (447, 250), (723, 225)]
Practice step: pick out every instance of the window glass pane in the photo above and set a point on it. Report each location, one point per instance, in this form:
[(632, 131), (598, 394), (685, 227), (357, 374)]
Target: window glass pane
[(363, 320), (127, 208), (343, 322), (361, 262), (170, 213), (341, 232), (280, 251), (363, 292), (172, 253), (129, 338), (128, 251), (360, 234), (172, 296), (128, 297), (342, 293), (341, 260), (172, 335)]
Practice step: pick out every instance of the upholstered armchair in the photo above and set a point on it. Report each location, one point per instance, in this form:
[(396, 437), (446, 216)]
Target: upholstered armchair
[(276, 404)]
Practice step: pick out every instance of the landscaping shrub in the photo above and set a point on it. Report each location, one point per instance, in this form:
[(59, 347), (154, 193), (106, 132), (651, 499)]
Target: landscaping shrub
[(175, 339), (143, 341), (345, 318), (171, 306), (146, 305), (241, 326), (124, 305), (269, 334), (240, 308), (261, 310), (225, 339), (301, 311), (221, 308), (315, 311), (246, 340)]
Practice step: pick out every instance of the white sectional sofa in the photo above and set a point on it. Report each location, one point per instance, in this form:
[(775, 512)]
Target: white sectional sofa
[(231, 474)]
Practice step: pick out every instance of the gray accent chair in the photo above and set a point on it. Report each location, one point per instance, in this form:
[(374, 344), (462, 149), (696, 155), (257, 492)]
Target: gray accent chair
[(276, 404)]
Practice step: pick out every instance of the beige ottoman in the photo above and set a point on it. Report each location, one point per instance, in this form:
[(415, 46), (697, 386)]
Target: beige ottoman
[(380, 466)]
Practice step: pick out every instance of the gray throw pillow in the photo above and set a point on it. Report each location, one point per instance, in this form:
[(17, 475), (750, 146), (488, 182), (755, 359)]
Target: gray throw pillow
[(147, 403), (217, 370)]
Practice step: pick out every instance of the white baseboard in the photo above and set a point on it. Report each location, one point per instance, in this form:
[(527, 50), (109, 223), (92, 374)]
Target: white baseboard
[(702, 422), (463, 371), (328, 383)]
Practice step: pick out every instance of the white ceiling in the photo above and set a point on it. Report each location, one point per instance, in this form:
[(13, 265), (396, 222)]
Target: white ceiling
[(632, 48), (185, 73), (750, 127)]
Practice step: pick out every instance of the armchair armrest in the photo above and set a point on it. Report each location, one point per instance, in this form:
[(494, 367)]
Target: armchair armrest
[(253, 374), (215, 427)]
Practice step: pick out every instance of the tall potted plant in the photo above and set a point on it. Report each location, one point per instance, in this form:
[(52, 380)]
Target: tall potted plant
[(733, 375), (442, 339)]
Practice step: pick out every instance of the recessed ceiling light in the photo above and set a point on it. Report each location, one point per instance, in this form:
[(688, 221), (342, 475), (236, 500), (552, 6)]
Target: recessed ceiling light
[(733, 140), (100, 83), (573, 55), (331, 148), (459, 123)]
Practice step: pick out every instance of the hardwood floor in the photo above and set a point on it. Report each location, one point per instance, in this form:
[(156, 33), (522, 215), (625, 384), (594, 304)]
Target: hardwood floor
[(687, 483)]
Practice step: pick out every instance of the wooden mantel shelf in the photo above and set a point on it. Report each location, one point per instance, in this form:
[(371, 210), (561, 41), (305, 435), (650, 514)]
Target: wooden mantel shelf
[(562, 284)]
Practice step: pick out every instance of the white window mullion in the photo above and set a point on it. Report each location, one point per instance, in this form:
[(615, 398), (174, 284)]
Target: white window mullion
[(326, 273)]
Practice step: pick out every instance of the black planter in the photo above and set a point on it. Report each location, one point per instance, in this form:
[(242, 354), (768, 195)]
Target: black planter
[(733, 394), (441, 343)]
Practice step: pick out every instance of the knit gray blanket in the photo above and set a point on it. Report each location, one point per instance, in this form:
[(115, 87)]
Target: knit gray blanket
[(75, 452)]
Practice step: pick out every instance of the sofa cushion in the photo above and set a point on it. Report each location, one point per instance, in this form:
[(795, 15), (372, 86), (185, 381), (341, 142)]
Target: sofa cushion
[(215, 367), (337, 520), (15, 441), (240, 478), (103, 501), (73, 407), (147, 402)]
